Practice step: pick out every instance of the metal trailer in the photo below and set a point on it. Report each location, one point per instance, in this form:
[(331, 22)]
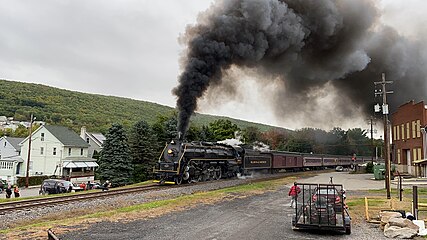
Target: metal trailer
[(321, 206)]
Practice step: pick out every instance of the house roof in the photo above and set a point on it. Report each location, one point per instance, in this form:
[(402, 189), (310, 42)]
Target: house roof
[(67, 136), (15, 142), (97, 137)]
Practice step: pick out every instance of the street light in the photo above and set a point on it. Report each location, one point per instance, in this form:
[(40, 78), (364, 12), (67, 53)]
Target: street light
[(27, 177)]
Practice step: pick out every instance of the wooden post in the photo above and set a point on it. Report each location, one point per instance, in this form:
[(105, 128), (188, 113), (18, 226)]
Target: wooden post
[(366, 209), (415, 201)]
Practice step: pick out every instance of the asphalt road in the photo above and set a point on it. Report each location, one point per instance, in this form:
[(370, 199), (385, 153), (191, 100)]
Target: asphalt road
[(266, 216)]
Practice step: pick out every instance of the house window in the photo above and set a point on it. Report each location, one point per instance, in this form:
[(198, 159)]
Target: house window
[(42, 137), (419, 154), (5, 143), (54, 151), (87, 140), (69, 151), (81, 151), (403, 131), (414, 154), (41, 150)]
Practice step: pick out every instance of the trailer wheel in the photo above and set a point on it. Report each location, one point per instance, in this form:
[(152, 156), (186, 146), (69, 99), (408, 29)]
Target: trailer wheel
[(348, 230)]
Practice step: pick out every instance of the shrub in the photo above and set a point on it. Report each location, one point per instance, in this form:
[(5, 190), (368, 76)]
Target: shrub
[(32, 181), (369, 167)]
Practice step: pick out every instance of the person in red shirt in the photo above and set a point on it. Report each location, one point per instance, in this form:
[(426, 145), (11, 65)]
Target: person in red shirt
[(293, 192)]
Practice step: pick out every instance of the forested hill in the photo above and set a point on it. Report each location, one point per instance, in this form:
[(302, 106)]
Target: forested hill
[(96, 112)]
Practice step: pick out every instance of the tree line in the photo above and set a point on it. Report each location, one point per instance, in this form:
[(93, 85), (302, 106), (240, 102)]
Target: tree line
[(129, 154)]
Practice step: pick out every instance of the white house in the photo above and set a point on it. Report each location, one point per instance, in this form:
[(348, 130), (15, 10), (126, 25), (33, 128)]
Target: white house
[(59, 151), (95, 141), (10, 159)]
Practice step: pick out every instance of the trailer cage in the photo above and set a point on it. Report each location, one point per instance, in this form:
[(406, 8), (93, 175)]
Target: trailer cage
[(321, 206)]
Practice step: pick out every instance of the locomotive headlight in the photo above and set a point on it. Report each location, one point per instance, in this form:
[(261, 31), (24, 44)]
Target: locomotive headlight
[(170, 151)]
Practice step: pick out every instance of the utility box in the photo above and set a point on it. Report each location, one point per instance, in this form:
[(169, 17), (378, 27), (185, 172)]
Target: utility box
[(379, 172)]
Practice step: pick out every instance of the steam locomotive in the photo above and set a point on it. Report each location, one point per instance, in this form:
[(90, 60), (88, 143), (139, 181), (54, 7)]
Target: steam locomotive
[(202, 161)]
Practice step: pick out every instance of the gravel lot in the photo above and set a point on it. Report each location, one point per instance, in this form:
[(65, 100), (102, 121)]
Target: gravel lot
[(266, 216)]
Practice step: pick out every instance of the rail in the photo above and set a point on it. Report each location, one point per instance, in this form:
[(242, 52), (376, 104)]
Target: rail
[(39, 202)]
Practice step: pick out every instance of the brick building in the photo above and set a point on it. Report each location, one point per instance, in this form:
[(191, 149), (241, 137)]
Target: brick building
[(408, 129)]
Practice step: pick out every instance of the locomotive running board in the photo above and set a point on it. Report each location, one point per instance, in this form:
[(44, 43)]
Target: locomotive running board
[(166, 182)]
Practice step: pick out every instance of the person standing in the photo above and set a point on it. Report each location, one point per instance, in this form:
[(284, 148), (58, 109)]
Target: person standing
[(293, 193), (9, 191), (16, 191)]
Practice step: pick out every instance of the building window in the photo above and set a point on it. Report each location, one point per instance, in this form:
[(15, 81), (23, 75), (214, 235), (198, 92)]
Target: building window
[(69, 151), (419, 154), (81, 151), (418, 128), (5, 143), (41, 150), (414, 132), (398, 133), (414, 154), (403, 131), (408, 132), (87, 140), (398, 156), (42, 137), (394, 133), (54, 151)]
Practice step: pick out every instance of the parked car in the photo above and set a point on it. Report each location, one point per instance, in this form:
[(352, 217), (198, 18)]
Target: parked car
[(54, 186), (3, 185), (329, 195), (93, 185), (72, 187)]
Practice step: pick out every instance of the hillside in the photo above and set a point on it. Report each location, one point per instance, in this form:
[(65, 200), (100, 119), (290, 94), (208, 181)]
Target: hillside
[(75, 109)]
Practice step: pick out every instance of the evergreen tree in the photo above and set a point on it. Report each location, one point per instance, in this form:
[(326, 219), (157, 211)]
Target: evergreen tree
[(115, 162), (223, 129), (143, 145)]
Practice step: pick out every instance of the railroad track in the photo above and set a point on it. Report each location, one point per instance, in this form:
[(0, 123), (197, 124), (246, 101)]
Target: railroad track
[(54, 200), (23, 205)]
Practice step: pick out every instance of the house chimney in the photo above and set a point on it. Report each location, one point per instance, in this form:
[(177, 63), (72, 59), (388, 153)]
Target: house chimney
[(83, 132)]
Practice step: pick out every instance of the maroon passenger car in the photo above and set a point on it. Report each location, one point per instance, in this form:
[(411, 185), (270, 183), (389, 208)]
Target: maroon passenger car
[(286, 160)]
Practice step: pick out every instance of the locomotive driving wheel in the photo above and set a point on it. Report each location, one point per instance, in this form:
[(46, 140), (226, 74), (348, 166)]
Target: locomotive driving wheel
[(217, 173), (178, 180)]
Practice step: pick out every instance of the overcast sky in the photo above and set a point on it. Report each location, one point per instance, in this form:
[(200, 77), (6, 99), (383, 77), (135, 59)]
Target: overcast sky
[(128, 48)]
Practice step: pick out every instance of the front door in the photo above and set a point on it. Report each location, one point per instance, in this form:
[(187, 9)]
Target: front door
[(409, 161)]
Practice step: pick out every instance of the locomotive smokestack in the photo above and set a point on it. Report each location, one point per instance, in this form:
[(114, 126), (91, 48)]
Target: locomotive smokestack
[(305, 46), (180, 136)]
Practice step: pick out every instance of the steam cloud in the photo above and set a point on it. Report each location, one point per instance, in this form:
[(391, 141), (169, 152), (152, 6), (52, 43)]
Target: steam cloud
[(306, 45)]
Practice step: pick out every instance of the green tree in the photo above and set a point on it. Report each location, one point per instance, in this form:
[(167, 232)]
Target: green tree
[(251, 135), (143, 148), (115, 163), (206, 134), (193, 133), (165, 129), (223, 129)]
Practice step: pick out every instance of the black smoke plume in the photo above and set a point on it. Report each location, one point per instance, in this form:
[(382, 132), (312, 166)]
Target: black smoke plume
[(304, 43)]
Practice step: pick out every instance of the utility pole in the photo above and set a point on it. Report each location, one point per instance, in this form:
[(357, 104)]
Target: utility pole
[(371, 122), (27, 176), (386, 132)]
